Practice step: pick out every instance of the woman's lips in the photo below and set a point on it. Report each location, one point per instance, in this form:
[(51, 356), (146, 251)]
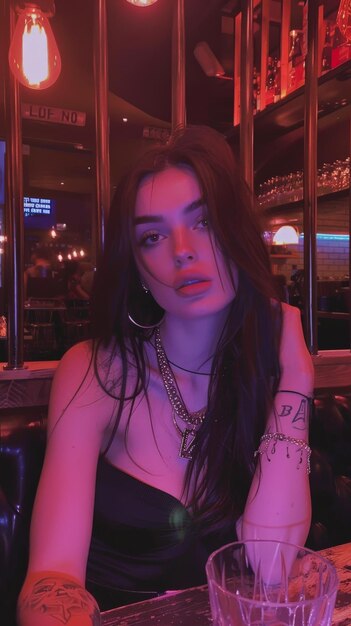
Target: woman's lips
[(193, 287)]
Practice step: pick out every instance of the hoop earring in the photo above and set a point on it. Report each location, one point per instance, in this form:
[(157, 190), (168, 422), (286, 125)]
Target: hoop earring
[(144, 326)]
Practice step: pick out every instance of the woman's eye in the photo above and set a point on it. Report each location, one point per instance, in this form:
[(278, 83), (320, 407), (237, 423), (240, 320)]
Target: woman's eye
[(203, 223), (150, 239)]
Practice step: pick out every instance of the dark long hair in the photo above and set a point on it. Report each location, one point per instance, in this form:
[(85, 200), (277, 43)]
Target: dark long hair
[(245, 371)]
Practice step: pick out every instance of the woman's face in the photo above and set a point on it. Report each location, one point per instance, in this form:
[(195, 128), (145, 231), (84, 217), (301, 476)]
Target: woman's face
[(177, 256)]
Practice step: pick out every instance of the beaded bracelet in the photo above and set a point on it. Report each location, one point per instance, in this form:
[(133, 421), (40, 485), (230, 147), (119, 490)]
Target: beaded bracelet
[(276, 437)]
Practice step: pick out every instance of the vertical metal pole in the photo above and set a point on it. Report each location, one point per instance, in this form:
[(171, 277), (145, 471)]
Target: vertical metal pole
[(246, 104), (101, 124), (310, 179), (178, 66), (264, 49), (14, 209), (284, 46), (349, 294)]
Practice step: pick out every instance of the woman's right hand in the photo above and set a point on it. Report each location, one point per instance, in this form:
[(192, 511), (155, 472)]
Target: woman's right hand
[(52, 598)]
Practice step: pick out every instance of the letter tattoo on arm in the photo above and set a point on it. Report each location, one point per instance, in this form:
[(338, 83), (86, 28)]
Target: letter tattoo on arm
[(299, 420), (285, 410)]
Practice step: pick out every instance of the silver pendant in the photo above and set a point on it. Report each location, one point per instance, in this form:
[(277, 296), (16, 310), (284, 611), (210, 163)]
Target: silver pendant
[(187, 444)]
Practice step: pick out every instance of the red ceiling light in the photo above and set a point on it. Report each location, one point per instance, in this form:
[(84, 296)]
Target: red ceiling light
[(34, 56), (142, 3)]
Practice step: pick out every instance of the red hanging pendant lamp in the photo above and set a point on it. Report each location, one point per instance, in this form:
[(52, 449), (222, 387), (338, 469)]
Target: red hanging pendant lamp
[(34, 57)]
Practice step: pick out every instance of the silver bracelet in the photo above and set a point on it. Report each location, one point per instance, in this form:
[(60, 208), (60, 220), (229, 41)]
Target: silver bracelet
[(276, 437)]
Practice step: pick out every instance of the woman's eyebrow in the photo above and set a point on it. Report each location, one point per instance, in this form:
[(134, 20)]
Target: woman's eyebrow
[(147, 219)]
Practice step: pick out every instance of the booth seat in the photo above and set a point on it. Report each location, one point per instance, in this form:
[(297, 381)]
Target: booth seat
[(22, 446)]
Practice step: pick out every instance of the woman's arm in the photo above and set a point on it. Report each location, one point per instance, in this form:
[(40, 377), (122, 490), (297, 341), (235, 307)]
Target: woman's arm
[(54, 598), (279, 503), (62, 516)]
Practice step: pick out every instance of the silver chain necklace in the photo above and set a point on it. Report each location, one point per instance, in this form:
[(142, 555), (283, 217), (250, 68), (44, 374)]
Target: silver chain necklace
[(177, 403)]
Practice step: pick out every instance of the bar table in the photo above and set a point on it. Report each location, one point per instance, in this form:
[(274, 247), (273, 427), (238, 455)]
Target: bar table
[(190, 607)]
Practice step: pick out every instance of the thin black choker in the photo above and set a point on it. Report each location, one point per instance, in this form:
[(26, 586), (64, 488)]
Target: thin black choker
[(190, 371), (184, 368)]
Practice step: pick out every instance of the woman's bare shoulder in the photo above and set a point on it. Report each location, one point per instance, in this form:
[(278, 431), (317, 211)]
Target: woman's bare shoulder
[(80, 384)]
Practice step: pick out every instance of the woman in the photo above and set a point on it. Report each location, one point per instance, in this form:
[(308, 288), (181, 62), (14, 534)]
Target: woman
[(190, 406)]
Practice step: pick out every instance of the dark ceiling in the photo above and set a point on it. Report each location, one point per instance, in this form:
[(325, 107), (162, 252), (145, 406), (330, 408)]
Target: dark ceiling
[(140, 53), (139, 45)]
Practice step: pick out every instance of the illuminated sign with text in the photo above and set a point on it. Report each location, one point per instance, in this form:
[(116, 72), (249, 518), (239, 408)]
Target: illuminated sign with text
[(39, 212), (42, 113)]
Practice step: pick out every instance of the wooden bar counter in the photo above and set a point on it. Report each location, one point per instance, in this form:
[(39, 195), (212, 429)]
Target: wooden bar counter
[(332, 369), (191, 606), (31, 386)]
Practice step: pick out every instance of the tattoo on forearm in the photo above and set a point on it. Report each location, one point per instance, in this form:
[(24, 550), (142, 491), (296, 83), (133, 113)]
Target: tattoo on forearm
[(285, 410), (299, 420), (62, 600)]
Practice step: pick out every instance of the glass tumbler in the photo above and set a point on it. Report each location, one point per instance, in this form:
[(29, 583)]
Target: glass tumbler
[(270, 583)]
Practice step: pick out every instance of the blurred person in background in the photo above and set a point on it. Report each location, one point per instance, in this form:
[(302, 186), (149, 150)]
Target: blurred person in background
[(41, 259), (73, 273)]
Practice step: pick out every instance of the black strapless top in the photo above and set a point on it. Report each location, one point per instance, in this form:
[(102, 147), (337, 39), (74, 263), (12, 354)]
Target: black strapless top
[(144, 541)]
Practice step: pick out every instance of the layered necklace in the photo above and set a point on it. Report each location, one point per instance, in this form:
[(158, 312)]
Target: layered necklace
[(179, 411)]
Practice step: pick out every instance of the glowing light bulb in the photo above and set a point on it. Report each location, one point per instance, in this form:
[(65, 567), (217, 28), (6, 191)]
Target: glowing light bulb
[(34, 56), (343, 19), (81, 252), (60, 258), (69, 257), (142, 3), (75, 254), (53, 233), (286, 235)]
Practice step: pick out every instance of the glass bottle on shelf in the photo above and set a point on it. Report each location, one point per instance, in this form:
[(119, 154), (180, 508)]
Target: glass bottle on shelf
[(277, 89), (343, 19), (296, 69), (338, 39), (254, 90), (258, 91), (341, 50), (327, 50), (3, 326), (270, 81)]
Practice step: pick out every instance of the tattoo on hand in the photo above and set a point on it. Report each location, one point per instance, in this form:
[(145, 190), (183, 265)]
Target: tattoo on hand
[(62, 600)]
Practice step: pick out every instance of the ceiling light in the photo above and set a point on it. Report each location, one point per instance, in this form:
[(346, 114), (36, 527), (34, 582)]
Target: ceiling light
[(142, 3), (34, 57), (286, 235)]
